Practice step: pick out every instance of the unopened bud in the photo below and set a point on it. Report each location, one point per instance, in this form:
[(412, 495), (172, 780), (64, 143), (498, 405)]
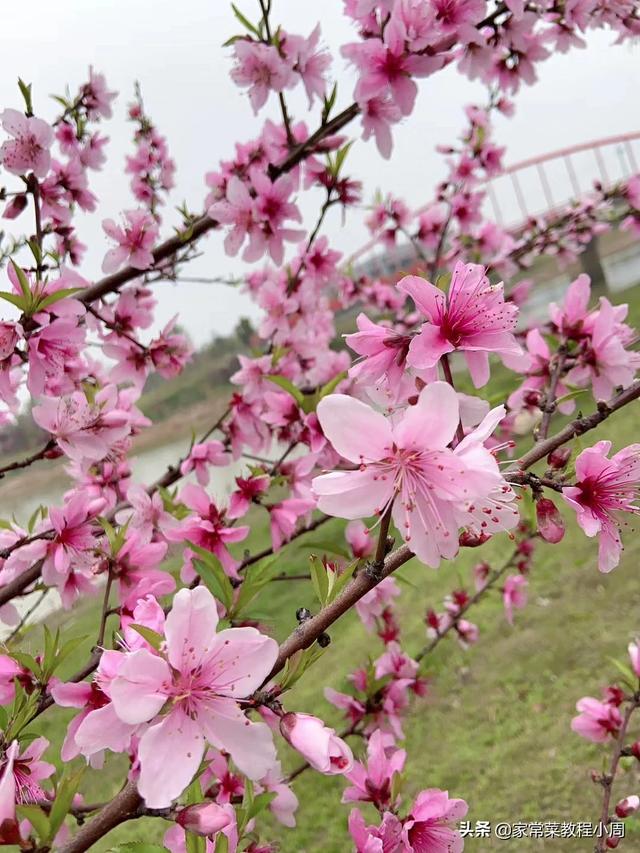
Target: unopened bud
[(532, 398), (612, 842), (54, 453), (15, 207), (550, 522), (203, 818), (628, 806), (559, 457), (635, 749)]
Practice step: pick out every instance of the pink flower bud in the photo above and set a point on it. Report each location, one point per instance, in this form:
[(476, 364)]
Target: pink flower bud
[(635, 749), (15, 206), (612, 842), (317, 743), (559, 457), (203, 818), (550, 522), (628, 806)]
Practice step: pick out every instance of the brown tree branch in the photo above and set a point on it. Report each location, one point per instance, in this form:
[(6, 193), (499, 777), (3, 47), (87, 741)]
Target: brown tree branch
[(124, 806)]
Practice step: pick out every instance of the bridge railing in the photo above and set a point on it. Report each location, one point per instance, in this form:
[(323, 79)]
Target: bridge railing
[(548, 182)]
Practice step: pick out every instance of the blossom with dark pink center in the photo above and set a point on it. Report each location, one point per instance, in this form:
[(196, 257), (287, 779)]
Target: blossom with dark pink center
[(433, 490), (430, 827), (597, 721), (473, 317), (605, 489)]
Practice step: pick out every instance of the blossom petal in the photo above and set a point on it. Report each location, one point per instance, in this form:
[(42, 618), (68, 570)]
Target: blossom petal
[(137, 691), (433, 421), (243, 657), (352, 494), (354, 429), (190, 628), (170, 753), (249, 744)]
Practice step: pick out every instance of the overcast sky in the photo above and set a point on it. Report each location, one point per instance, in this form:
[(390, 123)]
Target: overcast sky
[(174, 50)]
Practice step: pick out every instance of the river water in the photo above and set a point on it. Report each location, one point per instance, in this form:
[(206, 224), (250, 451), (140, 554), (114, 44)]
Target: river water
[(146, 466)]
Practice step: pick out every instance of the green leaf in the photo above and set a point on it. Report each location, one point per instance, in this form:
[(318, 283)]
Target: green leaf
[(213, 575), (110, 533), (52, 298), (14, 299), (341, 580), (329, 103), (67, 649), (255, 578), (152, 637), (23, 281), (288, 386), (246, 23), (38, 820), (298, 664), (340, 157), (138, 847), (260, 803), (332, 384), (319, 579), (25, 90), (625, 670), (66, 791), (222, 844)]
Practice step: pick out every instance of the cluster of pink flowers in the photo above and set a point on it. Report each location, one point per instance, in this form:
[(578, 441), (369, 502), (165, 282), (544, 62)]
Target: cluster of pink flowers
[(151, 167), (274, 65)]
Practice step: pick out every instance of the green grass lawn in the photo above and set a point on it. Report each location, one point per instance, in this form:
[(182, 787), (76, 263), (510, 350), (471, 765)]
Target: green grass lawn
[(495, 726)]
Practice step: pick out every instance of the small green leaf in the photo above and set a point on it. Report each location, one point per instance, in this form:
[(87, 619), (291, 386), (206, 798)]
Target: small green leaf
[(38, 820), (332, 384), (138, 847), (260, 803), (152, 637), (222, 844), (25, 90), (319, 579), (246, 23), (14, 299), (213, 575), (110, 533), (52, 298), (298, 664), (66, 791), (625, 670), (23, 281), (288, 386), (255, 578), (342, 579), (28, 662)]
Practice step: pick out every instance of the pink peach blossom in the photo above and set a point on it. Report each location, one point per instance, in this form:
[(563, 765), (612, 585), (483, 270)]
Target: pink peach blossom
[(28, 151), (605, 489), (135, 239), (434, 491), (597, 721), (473, 318), (200, 680)]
